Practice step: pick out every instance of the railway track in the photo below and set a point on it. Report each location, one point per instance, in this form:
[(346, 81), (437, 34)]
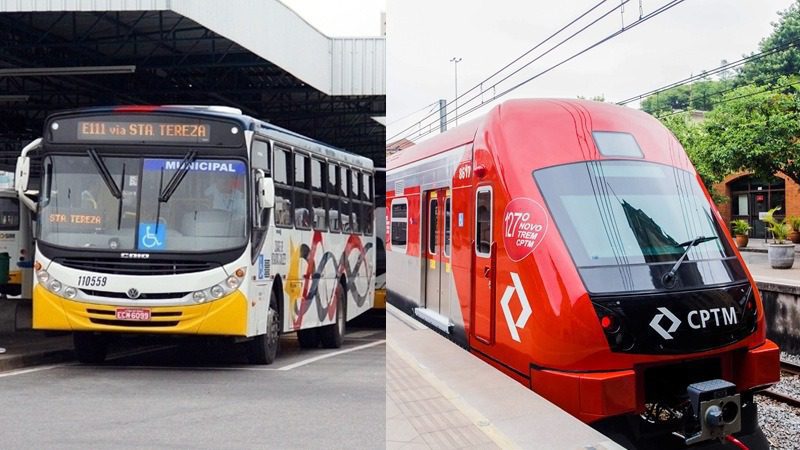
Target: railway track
[(792, 369)]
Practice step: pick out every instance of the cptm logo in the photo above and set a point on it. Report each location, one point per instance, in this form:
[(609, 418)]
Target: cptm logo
[(697, 319), (523, 300)]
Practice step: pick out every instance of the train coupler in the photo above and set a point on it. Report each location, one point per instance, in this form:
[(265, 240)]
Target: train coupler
[(716, 408)]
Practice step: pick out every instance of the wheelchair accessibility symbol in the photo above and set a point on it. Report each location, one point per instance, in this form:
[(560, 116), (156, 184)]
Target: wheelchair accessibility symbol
[(150, 237)]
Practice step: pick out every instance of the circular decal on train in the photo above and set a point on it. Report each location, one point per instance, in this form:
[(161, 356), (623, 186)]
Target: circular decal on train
[(524, 227)]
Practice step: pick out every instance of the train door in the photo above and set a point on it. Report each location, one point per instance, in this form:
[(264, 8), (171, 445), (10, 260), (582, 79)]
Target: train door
[(433, 249), (484, 252)]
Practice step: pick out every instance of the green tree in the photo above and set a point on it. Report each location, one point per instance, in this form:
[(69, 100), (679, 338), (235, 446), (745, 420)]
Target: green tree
[(755, 129), (786, 30), (692, 137)]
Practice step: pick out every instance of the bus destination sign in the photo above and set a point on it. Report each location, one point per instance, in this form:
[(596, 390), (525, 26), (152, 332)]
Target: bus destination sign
[(103, 130)]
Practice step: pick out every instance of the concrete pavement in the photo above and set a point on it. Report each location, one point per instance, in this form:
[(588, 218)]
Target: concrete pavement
[(441, 396)]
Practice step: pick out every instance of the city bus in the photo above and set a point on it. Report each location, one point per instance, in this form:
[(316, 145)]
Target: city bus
[(190, 220), (571, 245), (17, 241)]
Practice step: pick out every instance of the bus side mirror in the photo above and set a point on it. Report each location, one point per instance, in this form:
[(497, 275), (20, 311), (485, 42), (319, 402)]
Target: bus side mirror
[(266, 193), (23, 173)]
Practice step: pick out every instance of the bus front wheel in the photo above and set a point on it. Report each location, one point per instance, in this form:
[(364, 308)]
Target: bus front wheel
[(264, 348), (331, 336), (90, 348)]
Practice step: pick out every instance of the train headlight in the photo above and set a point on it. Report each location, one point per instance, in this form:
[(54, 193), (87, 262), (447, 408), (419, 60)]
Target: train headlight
[(199, 296), (217, 291), (70, 292), (54, 285)]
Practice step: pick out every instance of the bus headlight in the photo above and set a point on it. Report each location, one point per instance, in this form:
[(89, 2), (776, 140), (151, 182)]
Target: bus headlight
[(43, 276), (199, 296), (217, 291), (54, 286), (70, 292), (233, 282)]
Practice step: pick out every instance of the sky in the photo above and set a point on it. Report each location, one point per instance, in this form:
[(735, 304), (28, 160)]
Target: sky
[(341, 18), (423, 36)]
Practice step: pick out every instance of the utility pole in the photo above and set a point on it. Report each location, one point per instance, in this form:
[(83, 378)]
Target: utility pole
[(455, 62), (442, 115)]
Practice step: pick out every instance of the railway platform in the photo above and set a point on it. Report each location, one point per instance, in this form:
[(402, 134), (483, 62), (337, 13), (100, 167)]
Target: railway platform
[(440, 396)]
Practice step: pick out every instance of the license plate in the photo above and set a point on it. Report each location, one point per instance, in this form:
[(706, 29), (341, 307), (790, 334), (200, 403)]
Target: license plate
[(133, 314)]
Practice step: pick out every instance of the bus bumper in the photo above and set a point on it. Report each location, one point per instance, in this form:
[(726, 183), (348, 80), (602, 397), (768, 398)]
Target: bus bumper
[(226, 316)]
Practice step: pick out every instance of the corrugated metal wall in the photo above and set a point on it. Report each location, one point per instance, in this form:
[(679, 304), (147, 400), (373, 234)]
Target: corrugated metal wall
[(358, 66)]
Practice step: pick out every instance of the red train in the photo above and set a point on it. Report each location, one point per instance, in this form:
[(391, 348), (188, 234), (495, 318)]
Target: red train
[(571, 245)]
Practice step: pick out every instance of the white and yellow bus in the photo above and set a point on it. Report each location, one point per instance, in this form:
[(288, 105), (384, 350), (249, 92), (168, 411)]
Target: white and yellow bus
[(17, 242), (201, 221)]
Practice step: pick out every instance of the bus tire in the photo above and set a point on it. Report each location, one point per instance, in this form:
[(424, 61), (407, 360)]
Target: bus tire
[(90, 348), (264, 348), (331, 336), (308, 338)]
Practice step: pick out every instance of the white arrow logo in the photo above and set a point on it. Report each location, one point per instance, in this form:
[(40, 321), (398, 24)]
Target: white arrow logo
[(523, 300), (655, 323)]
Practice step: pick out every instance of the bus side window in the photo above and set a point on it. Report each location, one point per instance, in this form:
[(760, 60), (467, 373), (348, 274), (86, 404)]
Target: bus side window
[(483, 221), (399, 218), (319, 201), (344, 202), (369, 205), (355, 208), (302, 195), (333, 197), (282, 163), (259, 161)]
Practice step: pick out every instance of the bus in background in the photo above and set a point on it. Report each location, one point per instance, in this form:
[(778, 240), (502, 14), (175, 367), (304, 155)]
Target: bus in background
[(189, 220), (17, 241)]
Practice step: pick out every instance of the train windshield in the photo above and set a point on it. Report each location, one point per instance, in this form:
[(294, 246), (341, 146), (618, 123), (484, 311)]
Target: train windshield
[(629, 213), (125, 209)]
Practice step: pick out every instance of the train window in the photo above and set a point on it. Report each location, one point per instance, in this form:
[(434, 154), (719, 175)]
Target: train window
[(318, 198), (282, 163), (259, 155), (399, 218), (447, 227), (302, 196), (333, 198), (483, 221), (433, 224), (640, 216), (613, 143)]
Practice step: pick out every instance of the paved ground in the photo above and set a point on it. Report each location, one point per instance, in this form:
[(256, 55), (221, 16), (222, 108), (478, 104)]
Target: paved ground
[(439, 396), (200, 396), (759, 267)]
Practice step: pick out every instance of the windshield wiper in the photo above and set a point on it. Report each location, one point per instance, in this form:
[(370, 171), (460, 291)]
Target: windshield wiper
[(669, 278), (104, 173), (177, 177)]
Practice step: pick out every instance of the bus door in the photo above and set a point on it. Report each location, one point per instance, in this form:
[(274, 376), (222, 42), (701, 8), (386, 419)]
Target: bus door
[(484, 252)]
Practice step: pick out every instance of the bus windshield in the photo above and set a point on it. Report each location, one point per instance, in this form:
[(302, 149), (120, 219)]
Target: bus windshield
[(618, 213), (206, 212)]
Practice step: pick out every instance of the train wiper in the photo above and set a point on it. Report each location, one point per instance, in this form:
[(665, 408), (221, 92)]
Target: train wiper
[(105, 174), (177, 177), (669, 278)]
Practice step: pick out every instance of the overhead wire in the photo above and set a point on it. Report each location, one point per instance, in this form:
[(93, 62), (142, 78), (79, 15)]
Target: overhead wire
[(662, 9), (517, 59)]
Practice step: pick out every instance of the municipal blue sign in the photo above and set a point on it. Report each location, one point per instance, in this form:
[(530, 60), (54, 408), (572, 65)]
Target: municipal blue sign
[(151, 238), (200, 165)]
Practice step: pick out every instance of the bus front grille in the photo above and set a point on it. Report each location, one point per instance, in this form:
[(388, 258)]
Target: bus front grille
[(136, 267), (133, 323), (143, 296)]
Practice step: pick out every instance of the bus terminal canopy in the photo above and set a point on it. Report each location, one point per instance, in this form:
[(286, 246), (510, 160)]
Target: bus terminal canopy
[(255, 55)]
